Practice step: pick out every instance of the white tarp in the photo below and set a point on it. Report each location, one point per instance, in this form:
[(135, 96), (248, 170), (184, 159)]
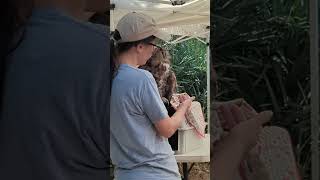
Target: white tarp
[(190, 19)]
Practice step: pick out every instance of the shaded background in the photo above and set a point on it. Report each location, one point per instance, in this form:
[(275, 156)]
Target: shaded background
[(260, 49)]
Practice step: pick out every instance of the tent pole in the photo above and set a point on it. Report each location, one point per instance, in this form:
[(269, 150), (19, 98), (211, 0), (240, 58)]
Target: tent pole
[(176, 40), (314, 69), (208, 81), (190, 37), (204, 42)]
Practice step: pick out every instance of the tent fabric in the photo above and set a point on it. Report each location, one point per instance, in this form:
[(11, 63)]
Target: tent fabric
[(189, 19)]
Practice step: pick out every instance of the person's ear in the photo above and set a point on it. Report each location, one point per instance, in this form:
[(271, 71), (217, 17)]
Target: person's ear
[(140, 47)]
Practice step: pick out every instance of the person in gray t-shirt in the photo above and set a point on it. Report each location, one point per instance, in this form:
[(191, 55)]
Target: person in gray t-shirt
[(139, 121)]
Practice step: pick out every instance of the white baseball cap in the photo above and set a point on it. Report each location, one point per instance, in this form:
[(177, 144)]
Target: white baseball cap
[(136, 26)]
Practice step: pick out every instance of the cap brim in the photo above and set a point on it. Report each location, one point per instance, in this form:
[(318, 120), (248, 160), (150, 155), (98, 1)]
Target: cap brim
[(163, 35), (158, 33)]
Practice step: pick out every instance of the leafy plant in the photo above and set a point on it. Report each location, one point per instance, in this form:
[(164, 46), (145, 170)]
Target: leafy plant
[(189, 62)]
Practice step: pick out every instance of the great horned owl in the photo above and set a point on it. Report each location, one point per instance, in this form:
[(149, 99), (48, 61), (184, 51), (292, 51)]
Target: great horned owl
[(159, 66)]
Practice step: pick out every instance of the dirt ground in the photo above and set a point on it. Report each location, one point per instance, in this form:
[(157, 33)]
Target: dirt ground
[(200, 171)]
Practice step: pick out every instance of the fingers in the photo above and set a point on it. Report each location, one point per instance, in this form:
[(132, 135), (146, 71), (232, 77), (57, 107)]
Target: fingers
[(264, 117), (231, 114), (237, 114), (185, 96), (248, 112), (182, 97), (181, 100), (188, 101), (226, 117), (238, 101), (248, 107)]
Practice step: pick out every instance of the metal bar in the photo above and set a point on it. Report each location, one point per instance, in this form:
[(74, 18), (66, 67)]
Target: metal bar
[(185, 171), (204, 42), (204, 14), (176, 40), (208, 82), (190, 168), (190, 37), (314, 69)]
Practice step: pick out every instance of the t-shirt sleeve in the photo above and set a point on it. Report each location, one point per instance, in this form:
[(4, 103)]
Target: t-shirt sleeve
[(151, 101)]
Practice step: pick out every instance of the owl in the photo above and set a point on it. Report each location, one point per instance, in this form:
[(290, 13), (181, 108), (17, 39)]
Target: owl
[(159, 65)]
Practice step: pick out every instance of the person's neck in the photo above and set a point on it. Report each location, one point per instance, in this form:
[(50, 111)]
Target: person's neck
[(74, 8), (129, 59)]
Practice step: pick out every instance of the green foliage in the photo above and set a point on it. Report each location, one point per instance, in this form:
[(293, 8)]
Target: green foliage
[(189, 62), (260, 50)]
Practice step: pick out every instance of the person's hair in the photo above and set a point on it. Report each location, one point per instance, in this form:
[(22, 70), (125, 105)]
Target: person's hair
[(14, 15), (119, 48)]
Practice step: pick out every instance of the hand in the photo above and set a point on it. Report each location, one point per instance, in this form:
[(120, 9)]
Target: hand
[(247, 110), (247, 132), (186, 102), (230, 114), (178, 101), (183, 97), (224, 112)]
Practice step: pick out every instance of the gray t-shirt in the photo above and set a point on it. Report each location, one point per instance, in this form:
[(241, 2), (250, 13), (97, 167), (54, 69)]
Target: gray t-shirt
[(137, 150)]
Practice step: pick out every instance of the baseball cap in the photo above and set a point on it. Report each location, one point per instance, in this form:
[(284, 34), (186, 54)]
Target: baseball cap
[(136, 26)]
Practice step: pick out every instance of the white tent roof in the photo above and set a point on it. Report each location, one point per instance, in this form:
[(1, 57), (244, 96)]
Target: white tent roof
[(190, 19)]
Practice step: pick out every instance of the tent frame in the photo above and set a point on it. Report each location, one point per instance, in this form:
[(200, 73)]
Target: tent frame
[(314, 69)]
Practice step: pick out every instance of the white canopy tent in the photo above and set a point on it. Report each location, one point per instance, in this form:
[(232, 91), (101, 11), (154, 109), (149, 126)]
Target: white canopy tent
[(188, 19), (191, 19)]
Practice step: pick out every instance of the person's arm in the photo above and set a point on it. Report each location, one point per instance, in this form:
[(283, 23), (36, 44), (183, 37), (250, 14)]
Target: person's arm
[(168, 126), (227, 156), (228, 153), (154, 108)]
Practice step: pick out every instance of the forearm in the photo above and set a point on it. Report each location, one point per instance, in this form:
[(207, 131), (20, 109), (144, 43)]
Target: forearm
[(227, 155), (174, 122), (168, 126), (178, 117)]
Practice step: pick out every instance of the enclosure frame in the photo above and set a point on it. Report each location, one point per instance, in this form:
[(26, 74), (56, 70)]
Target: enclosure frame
[(314, 70)]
